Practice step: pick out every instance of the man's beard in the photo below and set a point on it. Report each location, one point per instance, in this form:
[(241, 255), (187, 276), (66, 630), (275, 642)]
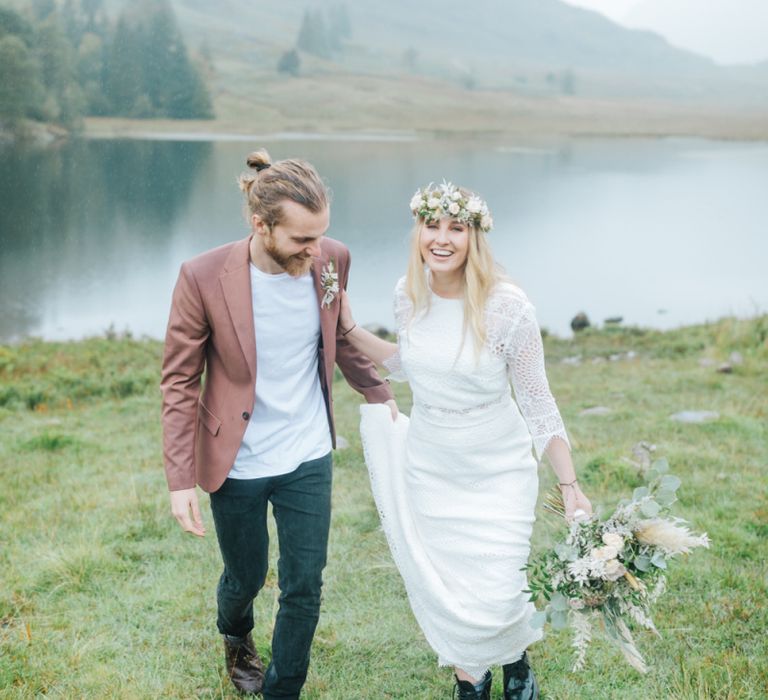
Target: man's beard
[(294, 265)]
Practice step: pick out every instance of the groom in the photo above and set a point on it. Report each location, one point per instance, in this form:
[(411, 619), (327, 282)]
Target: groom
[(259, 318)]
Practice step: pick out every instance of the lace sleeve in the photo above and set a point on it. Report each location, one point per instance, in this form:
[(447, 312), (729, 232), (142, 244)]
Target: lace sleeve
[(524, 354), (402, 309)]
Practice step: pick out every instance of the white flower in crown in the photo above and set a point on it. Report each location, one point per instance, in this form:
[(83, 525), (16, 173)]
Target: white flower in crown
[(475, 205), (432, 203), (417, 200), (329, 281)]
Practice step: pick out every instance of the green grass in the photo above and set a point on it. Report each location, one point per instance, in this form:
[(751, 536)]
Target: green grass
[(101, 594)]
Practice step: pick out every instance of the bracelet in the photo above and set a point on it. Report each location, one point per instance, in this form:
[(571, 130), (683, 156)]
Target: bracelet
[(346, 333), (572, 483)]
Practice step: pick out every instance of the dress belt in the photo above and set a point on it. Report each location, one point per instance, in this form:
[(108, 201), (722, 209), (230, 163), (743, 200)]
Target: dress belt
[(461, 411)]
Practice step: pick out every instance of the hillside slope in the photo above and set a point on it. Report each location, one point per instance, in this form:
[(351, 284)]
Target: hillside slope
[(535, 47)]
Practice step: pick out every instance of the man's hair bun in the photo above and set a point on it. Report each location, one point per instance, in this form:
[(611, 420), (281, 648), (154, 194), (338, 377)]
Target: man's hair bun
[(259, 160)]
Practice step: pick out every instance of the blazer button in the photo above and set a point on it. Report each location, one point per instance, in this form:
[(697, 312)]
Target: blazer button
[(246, 415)]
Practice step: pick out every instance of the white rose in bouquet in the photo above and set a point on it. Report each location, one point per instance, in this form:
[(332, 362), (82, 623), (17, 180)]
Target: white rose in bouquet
[(614, 570), (604, 553), (613, 540)]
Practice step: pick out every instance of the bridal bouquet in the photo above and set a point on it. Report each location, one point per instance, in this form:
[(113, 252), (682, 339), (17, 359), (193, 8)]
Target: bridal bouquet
[(612, 570)]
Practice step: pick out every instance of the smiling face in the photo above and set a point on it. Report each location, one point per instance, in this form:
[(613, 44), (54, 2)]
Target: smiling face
[(444, 246), (290, 245)]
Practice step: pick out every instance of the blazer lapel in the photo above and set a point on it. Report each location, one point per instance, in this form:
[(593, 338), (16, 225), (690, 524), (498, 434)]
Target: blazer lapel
[(235, 283)]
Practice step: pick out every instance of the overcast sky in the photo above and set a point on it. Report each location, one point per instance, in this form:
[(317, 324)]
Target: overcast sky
[(729, 31)]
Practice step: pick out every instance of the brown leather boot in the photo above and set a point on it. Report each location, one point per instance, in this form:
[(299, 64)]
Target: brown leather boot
[(244, 667)]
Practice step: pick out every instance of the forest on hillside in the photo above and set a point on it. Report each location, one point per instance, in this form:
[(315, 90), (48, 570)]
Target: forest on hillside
[(60, 62)]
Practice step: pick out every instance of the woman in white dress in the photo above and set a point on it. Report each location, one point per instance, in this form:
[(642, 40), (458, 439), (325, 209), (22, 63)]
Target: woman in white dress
[(456, 484)]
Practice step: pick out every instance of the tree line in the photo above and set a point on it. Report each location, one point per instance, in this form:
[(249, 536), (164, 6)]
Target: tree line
[(62, 61), (321, 34)]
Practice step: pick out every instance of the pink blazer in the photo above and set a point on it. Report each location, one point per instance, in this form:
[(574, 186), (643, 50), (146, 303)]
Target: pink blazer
[(210, 330)]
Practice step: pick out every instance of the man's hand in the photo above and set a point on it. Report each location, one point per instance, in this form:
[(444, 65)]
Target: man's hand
[(392, 407), (181, 503)]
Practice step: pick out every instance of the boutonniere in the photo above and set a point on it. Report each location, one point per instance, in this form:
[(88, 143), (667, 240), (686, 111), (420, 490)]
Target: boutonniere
[(329, 281)]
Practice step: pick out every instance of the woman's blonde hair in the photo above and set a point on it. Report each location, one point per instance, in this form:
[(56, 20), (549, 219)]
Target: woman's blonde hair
[(481, 274), (272, 183)]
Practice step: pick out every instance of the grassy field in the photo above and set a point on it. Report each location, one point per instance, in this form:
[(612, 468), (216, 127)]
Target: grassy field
[(369, 104), (102, 596)]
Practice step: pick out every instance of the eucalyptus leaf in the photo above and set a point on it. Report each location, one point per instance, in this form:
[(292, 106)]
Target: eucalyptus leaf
[(659, 561), (566, 552), (538, 619), (670, 482), (559, 619), (558, 602), (640, 492), (652, 475), (642, 562), (650, 509), (661, 465), (665, 497)]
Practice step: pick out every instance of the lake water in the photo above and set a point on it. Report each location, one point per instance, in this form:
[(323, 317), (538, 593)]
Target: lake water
[(661, 232)]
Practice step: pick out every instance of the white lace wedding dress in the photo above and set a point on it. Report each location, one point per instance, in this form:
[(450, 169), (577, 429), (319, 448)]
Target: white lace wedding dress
[(456, 484)]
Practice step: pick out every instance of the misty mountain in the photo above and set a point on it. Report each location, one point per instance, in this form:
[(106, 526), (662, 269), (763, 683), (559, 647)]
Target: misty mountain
[(532, 32), (732, 31), (532, 46)]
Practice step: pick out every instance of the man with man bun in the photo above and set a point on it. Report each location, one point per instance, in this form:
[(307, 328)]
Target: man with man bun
[(259, 317)]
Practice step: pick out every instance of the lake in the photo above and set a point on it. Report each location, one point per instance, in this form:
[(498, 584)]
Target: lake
[(660, 232)]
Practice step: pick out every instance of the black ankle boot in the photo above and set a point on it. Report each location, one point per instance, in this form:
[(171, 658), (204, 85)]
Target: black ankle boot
[(519, 681), (464, 690)]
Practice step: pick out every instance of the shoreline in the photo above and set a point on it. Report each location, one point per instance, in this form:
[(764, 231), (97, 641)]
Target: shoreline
[(136, 132), (510, 122), (179, 130), (379, 110), (112, 333)]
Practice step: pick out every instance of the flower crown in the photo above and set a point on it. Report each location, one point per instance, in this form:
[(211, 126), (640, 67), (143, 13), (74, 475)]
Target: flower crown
[(435, 201)]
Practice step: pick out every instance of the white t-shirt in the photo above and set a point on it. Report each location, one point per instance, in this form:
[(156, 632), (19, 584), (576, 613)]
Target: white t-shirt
[(289, 423)]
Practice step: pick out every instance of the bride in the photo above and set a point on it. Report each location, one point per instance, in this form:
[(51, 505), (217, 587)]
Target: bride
[(456, 484)]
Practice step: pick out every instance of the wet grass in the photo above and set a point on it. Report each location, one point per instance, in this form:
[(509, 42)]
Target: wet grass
[(102, 596)]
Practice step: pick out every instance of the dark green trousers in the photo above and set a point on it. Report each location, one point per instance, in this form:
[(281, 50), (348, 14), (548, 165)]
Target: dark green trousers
[(301, 504)]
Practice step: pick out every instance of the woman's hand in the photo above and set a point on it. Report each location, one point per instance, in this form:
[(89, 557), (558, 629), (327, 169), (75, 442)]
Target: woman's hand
[(346, 321), (575, 501)]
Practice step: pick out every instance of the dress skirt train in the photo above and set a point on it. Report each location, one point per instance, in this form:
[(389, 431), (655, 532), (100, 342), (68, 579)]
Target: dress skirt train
[(456, 495)]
